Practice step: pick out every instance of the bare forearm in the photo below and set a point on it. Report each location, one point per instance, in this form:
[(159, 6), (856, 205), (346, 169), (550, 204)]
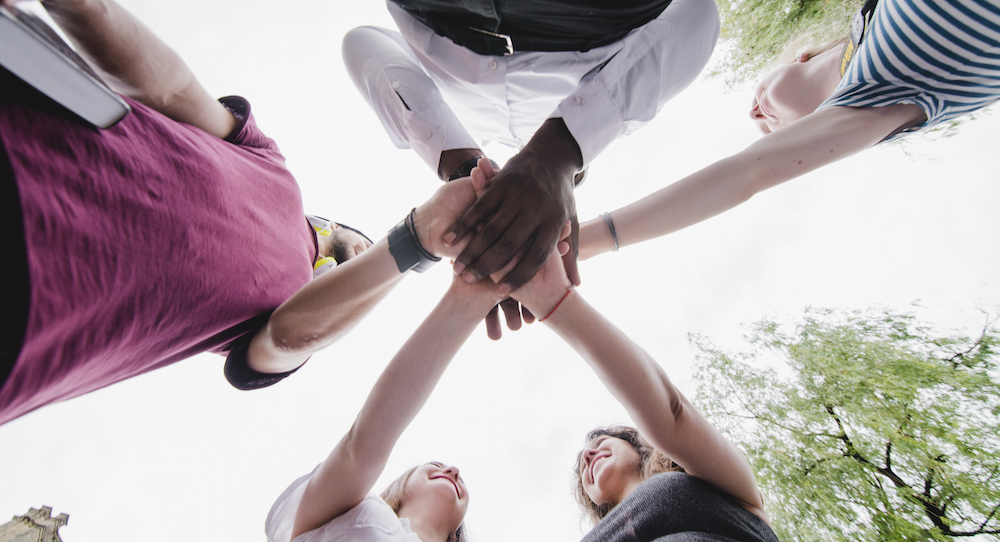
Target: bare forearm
[(628, 372), (661, 412), (413, 373), (138, 64), (324, 310), (817, 140), (397, 397)]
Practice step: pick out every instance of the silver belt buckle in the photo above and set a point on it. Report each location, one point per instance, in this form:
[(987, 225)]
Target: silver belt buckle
[(505, 37)]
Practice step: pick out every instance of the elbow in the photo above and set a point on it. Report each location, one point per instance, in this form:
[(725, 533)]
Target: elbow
[(289, 334), (675, 401), (291, 340)]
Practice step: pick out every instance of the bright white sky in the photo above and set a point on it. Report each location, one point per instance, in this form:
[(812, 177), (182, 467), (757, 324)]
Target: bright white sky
[(179, 454)]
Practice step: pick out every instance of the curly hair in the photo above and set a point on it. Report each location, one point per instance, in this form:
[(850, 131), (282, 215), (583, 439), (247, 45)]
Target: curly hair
[(651, 461), (395, 495)]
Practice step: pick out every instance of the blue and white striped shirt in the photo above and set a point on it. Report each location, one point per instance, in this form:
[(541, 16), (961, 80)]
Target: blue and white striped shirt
[(943, 56)]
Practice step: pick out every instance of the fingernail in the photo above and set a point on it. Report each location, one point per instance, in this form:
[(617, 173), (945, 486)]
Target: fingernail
[(458, 268), (449, 239), (469, 278), (503, 289)]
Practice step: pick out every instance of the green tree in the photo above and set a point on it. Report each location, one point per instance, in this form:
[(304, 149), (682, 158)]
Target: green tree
[(864, 425), (755, 32)]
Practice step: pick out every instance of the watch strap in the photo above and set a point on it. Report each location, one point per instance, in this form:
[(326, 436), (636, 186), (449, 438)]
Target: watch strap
[(405, 247)]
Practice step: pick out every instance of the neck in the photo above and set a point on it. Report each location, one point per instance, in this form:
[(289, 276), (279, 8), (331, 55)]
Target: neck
[(826, 68), (324, 243), (428, 530), (630, 487)]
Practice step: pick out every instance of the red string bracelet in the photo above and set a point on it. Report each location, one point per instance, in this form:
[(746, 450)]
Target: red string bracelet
[(557, 305)]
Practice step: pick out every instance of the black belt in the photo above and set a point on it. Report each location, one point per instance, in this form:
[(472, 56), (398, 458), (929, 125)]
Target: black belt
[(487, 43)]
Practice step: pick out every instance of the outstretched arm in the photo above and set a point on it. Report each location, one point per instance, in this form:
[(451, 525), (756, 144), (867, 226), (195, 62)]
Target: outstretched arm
[(137, 64), (348, 474), (329, 306), (661, 412), (812, 142)]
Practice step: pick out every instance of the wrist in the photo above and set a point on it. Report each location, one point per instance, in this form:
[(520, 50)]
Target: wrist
[(557, 305), (472, 300), (406, 247), (556, 146), (541, 303), (458, 163), (424, 223), (595, 238)]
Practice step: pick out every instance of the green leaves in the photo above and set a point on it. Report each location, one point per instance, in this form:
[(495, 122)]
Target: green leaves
[(756, 31), (863, 425)]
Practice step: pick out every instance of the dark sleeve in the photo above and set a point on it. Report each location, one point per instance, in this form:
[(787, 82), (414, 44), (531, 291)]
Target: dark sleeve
[(245, 132), (238, 371)]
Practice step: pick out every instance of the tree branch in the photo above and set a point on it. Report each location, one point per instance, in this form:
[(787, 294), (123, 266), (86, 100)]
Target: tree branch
[(931, 509), (955, 359)]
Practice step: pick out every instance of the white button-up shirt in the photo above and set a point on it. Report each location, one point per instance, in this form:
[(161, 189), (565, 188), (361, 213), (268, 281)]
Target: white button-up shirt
[(453, 98)]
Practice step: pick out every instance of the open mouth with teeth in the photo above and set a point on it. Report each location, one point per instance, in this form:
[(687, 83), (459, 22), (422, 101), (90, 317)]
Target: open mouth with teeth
[(593, 465)]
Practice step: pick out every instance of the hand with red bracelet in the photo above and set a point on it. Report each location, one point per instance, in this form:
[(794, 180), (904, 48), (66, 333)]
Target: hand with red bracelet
[(513, 311), (543, 294)]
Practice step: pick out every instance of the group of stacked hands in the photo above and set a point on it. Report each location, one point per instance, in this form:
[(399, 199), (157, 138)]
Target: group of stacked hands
[(186, 175)]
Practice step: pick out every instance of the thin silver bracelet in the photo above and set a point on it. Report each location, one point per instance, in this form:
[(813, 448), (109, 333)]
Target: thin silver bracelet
[(611, 226)]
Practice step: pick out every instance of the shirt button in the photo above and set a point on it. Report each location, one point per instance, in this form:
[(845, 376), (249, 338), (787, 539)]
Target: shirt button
[(578, 99), (499, 107), (428, 133), (493, 64), (395, 84), (442, 128)]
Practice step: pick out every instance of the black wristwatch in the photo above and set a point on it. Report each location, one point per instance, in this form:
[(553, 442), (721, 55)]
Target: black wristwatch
[(405, 247), (466, 168)]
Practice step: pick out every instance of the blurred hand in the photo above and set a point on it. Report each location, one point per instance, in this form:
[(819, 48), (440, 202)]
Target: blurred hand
[(523, 210)]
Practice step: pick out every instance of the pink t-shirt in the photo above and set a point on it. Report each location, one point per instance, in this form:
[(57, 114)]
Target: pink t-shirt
[(147, 243)]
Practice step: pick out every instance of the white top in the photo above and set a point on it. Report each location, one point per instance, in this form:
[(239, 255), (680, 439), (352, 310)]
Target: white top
[(601, 94), (370, 521)]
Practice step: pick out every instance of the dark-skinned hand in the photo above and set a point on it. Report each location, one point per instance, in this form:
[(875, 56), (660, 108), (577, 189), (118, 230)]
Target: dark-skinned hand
[(513, 311), (523, 212)]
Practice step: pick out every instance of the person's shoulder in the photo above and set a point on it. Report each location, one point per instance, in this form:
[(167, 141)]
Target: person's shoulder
[(374, 511), (246, 132), (373, 519)]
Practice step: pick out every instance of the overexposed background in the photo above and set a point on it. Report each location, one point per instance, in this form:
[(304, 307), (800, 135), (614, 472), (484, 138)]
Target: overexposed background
[(179, 454)]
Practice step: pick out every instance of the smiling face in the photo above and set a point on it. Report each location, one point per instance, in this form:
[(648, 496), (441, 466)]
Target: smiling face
[(610, 469), (437, 491)]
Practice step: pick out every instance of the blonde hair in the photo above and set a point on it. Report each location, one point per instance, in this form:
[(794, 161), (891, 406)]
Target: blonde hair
[(395, 495), (807, 44), (651, 461)]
